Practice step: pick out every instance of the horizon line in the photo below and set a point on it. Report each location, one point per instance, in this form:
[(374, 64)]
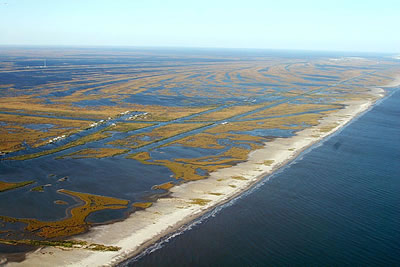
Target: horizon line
[(192, 47)]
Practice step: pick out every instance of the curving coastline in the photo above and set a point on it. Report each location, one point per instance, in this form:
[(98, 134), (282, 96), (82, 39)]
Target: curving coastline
[(191, 200)]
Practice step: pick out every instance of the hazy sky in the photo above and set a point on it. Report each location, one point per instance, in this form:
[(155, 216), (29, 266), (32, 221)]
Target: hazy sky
[(354, 25)]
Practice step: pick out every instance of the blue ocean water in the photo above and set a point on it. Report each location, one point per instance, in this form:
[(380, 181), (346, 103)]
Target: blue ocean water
[(336, 205)]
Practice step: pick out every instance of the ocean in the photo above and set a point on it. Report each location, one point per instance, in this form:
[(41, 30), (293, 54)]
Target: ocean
[(337, 204)]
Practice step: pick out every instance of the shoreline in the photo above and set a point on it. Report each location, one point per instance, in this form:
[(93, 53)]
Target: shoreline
[(168, 215)]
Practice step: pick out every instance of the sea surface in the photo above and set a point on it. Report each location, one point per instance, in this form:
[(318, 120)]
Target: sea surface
[(338, 204)]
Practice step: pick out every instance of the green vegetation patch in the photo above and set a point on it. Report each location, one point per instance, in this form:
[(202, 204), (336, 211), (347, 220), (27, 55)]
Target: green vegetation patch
[(225, 113), (39, 188), (215, 194), (125, 127), (142, 205), (73, 224), (81, 141), (328, 128), (95, 153), (268, 162), (239, 178), (156, 135), (60, 202), (5, 186), (14, 131), (199, 201), (164, 186), (61, 244)]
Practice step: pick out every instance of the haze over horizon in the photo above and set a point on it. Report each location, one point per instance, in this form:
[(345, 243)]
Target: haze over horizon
[(363, 26)]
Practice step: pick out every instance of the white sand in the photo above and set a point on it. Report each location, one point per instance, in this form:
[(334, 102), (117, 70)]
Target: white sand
[(145, 227), (394, 83)]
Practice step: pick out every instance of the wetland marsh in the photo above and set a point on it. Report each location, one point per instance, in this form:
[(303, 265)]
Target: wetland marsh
[(105, 134)]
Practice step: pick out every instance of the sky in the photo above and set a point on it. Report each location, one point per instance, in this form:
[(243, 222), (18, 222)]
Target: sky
[(350, 25)]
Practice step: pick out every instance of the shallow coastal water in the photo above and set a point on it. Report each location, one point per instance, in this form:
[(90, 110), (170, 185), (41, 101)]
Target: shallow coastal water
[(336, 205)]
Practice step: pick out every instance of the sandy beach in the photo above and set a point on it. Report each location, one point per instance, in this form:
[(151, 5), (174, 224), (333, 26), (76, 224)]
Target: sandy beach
[(190, 200)]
